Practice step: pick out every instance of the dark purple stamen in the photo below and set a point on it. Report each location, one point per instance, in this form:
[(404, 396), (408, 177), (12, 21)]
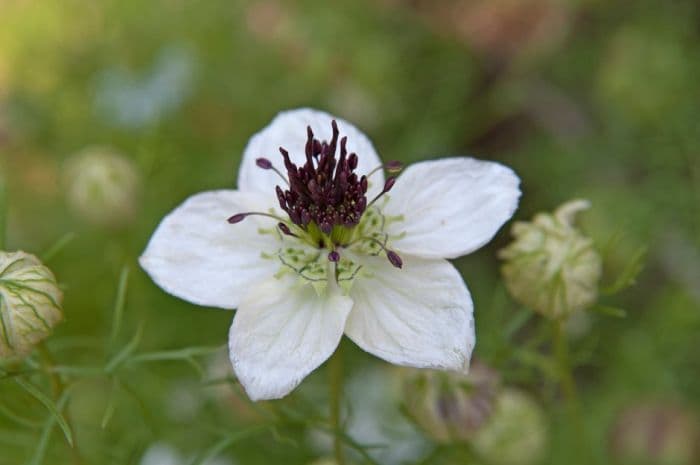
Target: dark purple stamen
[(263, 163), (325, 189), (237, 218), (285, 229), (388, 185), (334, 256), (394, 258)]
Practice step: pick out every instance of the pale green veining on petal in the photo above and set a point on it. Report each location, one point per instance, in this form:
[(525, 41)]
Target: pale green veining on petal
[(306, 254)]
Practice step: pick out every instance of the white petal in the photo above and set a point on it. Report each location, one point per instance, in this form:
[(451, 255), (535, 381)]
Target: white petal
[(195, 254), (282, 332), (420, 315), (288, 130), (451, 206)]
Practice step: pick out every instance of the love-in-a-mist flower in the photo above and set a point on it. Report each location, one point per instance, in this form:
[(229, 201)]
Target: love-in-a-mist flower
[(318, 244)]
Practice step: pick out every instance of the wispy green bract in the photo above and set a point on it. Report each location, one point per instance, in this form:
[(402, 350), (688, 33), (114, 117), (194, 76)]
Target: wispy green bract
[(53, 408)]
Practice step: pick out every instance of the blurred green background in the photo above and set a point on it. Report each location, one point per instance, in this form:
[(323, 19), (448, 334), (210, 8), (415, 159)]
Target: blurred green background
[(583, 98)]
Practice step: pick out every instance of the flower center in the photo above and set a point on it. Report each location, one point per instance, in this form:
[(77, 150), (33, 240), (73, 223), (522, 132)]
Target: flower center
[(326, 201), (325, 191)]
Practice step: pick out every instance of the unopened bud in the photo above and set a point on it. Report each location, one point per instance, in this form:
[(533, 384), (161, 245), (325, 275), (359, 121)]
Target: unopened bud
[(102, 186), (450, 406), (515, 433), (551, 266), (30, 303), (657, 433)]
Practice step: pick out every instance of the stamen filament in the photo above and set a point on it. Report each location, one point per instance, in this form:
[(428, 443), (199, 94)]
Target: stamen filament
[(238, 217), (393, 257), (387, 187), (392, 167), (266, 164)]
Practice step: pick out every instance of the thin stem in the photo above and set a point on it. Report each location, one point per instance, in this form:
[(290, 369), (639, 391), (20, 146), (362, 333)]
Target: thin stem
[(374, 171), (3, 212), (561, 348), (57, 389), (335, 368), (279, 173), (568, 384)]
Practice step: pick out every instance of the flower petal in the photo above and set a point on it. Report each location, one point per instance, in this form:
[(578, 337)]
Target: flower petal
[(451, 206), (195, 254), (288, 130), (281, 333), (420, 315)]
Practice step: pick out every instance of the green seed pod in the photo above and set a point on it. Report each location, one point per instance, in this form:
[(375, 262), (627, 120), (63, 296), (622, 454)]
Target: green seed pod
[(102, 186), (550, 266), (30, 303), (450, 406), (515, 433)]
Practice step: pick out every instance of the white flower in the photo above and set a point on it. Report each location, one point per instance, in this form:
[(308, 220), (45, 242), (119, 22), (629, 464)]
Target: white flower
[(331, 253)]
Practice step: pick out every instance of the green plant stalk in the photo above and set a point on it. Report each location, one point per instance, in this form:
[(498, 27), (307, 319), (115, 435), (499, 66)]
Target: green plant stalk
[(568, 384), (335, 368), (3, 212), (57, 389)]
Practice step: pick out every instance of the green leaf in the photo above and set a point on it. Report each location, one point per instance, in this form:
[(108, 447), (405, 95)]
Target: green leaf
[(20, 420), (537, 360), (54, 409), (118, 313), (40, 450), (57, 247), (124, 354), (111, 404), (516, 322), (178, 354), (226, 442), (607, 310), (628, 276)]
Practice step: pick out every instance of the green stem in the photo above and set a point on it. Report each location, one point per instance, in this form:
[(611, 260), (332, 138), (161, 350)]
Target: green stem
[(3, 212), (335, 368), (568, 384), (57, 389), (562, 353)]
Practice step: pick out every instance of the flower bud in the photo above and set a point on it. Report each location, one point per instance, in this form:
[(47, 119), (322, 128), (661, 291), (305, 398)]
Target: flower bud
[(655, 433), (515, 433), (102, 186), (30, 303), (550, 266), (450, 406)]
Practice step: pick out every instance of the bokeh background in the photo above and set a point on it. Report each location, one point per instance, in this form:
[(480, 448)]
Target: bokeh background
[(583, 98)]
